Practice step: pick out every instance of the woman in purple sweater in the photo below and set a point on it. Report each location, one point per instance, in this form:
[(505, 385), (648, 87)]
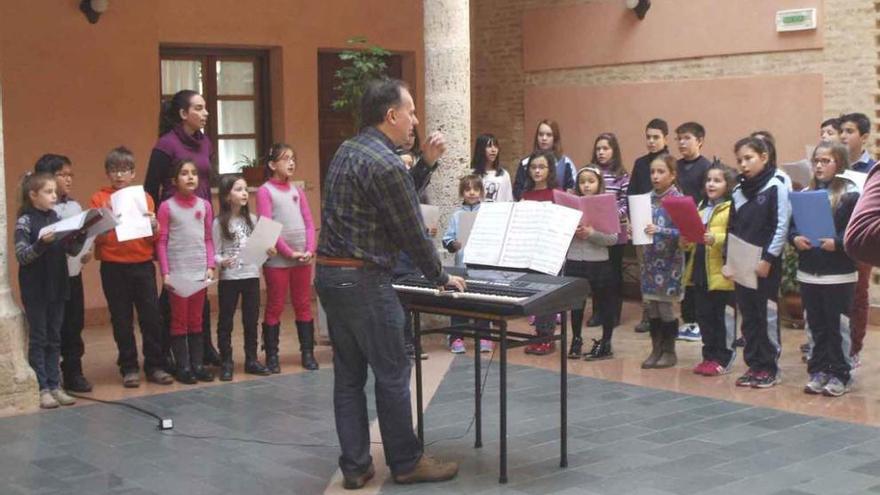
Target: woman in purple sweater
[(181, 121)]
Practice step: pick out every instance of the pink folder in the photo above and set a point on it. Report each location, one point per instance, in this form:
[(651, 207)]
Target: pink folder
[(684, 214), (599, 212)]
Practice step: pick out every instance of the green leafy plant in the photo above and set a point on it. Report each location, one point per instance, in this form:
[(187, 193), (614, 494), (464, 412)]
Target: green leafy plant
[(363, 63), (789, 284), (246, 162)]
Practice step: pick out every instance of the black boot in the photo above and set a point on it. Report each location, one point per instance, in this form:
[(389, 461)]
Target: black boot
[(252, 365), (656, 329), (577, 345), (210, 356), (197, 357), (306, 332), (182, 370), (601, 350), (270, 345), (224, 342)]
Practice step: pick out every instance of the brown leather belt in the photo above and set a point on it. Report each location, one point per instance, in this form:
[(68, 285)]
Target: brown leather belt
[(346, 262)]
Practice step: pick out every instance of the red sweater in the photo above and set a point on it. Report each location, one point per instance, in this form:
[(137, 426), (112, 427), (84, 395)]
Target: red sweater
[(538, 195), (862, 238)]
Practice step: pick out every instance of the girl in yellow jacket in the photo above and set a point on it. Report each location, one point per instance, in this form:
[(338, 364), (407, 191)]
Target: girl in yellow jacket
[(712, 291)]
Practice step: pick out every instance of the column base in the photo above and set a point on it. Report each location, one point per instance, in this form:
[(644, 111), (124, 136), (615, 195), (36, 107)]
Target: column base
[(19, 391)]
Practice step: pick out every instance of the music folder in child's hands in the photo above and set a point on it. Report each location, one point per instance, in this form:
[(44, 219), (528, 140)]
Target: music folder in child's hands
[(685, 216), (598, 211)]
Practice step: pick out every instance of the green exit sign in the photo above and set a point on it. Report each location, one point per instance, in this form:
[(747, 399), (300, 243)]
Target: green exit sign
[(796, 20)]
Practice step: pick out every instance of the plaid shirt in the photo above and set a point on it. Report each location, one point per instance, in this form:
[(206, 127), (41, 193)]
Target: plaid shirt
[(371, 210)]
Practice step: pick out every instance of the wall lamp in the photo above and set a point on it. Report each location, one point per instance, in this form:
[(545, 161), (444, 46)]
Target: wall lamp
[(93, 9), (640, 7)]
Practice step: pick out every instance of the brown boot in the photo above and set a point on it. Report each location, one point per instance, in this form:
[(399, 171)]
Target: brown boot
[(428, 469), (668, 358), (656, 338), (357, 482)]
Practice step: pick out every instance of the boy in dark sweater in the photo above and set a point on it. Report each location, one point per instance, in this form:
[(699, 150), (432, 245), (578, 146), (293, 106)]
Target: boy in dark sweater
[(692, 169), (640, 180)]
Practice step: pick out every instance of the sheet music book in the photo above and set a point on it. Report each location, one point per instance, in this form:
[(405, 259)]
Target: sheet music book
[(685, 216), (742, 259), (599, 211), (528, 234), (811, 211), (93, 221)]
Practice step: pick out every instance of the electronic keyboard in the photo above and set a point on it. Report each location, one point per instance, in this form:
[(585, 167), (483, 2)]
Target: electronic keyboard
[(496, 292)]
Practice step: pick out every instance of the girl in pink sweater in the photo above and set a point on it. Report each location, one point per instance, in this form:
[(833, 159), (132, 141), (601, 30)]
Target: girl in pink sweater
[(186, 258), (291, 267)]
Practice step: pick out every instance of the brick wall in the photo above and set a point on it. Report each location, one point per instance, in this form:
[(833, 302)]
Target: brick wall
[(849, 63)]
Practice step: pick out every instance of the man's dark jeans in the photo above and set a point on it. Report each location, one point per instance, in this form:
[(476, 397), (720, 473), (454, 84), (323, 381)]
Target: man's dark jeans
[(365, 321)]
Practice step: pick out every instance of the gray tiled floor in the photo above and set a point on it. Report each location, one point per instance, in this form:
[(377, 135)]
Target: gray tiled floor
[(623, 439)]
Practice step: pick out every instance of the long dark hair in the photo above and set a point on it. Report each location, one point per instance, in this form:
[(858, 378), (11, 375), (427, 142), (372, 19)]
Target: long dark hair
[(761, 145), (169, 114), (227, 182), (274, 154), (478, 160), (615, 166), (551, 169)]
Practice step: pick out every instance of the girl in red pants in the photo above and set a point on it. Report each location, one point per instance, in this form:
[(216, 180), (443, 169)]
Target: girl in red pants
[(186, 257), (291, 268)]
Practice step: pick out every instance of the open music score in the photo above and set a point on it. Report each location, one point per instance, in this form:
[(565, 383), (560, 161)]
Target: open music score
[(528, 234)]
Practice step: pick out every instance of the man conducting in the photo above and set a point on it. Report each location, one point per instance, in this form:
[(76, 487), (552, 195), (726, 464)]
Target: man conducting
[(370, 212)]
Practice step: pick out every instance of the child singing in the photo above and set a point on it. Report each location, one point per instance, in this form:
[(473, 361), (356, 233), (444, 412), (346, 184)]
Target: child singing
[(588, 258)]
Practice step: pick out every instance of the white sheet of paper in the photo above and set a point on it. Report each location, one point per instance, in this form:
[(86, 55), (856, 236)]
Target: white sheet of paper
[(526, 225), (800, 172), (465, 225), (74, 263), (264, 236), (69, 224), (487, 234), (185, 287), (107, 222), (742, 259), (640, 217), (130, 207), (554, 239), (857, 178), (431, 215)]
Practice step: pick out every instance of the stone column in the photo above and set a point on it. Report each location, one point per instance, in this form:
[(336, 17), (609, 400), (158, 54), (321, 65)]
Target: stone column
[(18, 383), (448, 95)]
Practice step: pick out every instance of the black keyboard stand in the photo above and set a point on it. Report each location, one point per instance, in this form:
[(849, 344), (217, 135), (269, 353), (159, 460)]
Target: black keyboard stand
[(506, 340)]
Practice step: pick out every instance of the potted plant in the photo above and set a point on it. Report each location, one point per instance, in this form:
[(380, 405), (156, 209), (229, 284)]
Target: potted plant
[(251, 170), (364, 62), (791, 307)]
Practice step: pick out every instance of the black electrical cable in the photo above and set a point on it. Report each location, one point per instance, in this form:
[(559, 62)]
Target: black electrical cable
[(177, 433)]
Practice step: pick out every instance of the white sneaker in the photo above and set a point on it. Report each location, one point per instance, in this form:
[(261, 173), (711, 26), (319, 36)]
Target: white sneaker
[(62, 398), (47, 401)]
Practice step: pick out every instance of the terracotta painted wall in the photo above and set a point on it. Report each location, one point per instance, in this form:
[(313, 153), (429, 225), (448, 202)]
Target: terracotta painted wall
[(585, 111), (604, 33), (80, 89)]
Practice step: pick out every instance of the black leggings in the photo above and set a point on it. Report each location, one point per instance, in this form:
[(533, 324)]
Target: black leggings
[(603, 286)]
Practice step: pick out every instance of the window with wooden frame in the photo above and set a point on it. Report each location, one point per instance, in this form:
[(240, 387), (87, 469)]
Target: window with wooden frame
[(235, 85)]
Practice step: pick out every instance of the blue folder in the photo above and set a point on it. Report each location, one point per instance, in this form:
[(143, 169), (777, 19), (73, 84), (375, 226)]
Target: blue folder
[(812, 215)]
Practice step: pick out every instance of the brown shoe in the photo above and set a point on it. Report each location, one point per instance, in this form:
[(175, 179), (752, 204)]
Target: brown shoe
[(358, 481), (428, 469), (160, 376)]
